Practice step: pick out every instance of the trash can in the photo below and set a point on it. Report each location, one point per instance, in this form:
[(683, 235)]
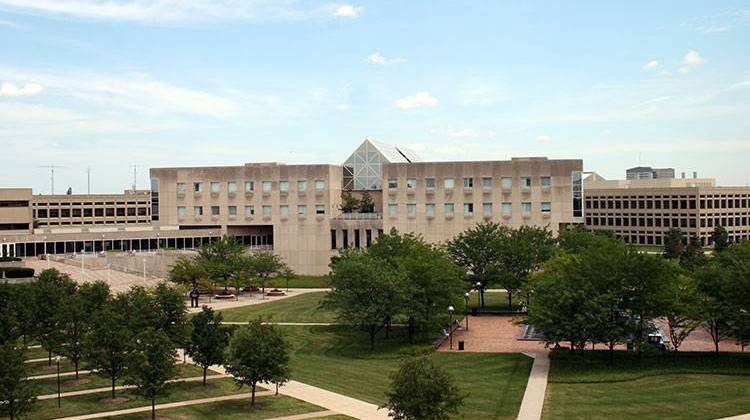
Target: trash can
[(474, 311), (460, 345)]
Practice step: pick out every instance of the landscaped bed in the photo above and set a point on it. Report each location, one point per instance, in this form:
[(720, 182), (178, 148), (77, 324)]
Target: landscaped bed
[(698, 386), (302, 308)]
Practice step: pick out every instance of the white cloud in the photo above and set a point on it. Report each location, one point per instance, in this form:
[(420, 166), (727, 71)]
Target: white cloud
[(691, 60), (651, 65), (420, 99), (712, 29), (8, 24), (29, 89), (544, 139), (449, 150), (466, 132), (654, 100), (347, 10), (379, 59), (344, 108)]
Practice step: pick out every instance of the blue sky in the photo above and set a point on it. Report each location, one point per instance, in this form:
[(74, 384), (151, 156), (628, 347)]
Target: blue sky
[(109, 84)]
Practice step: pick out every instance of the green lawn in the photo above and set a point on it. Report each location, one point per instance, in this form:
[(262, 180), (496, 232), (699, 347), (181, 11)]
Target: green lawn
[(94, 403), (699, 386), (265, 407), (338, 359), (302, 282), (302, 308), (43, 368), (35, 353)]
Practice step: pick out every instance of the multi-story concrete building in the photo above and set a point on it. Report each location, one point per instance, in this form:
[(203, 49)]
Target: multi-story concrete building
[(647, 172), (643, 211), (128, 208)]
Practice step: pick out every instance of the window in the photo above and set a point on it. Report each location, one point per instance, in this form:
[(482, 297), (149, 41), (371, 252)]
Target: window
[(284, 210), (215, 210), (320, 185), (448, 183), (197, 187), (392, 183), (320, 209), (506, 182), (392, 209), (333, 238), (215, 187), (545, 181), (266, 211), (232, 211), (181, 212), (507, 208), (468, 182), (198, 211), (411, 183), (232, 187), (525, 182), (546, 207), (411, 209), (429, 209), (301, 210), (429, 182), (486, 182), (301, 185), (487, 208), (526, 207), (284, 186), (449, 208), (249, 211), (468, 209), (249, 186), (181, 188), (267, 185)]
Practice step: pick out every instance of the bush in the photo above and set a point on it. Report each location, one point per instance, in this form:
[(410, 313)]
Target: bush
[(16, 272), (9, 259)]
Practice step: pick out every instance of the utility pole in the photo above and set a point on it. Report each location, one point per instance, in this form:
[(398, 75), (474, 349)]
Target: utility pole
[(88, 180), (135, 175), (52, 176)]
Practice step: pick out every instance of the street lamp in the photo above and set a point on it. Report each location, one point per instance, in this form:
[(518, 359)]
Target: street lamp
[(466, 306), (479, 295), (450, 325), (57, 359)]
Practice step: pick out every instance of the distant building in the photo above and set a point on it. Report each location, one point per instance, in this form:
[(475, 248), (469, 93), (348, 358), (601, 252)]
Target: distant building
[(647, 172)]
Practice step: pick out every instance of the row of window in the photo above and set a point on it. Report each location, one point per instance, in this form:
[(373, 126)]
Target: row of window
[(666, 203), (90, 212), (267, 186), (266, 210), (666, 222), (468, 208), (97, 203), (486, 182), (357, 236)]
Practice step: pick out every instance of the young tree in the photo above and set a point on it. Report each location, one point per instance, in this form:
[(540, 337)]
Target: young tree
[(420, 390), (172, 313), (51, 288), (349, 203), (720, 238), (10, 328), (106, 344), (73, 323), (257, 353), (366, 205), (365, 291), (151, 364), (674, 244), (208, 340), (16, 392), (94, 296), (222, 260), (187, 271), (477, 251), (682, 311), (692, 257), (522, 252), (264, 264)]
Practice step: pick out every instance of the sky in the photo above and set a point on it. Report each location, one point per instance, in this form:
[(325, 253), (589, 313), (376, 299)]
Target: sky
[(110, 84)]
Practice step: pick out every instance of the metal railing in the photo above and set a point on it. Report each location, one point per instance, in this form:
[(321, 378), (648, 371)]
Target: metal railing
[(359, 216)]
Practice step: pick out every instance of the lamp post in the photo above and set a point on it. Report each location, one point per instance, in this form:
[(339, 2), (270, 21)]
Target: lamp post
[(450, 325), (466, 306), (479, 295), (57, 359)]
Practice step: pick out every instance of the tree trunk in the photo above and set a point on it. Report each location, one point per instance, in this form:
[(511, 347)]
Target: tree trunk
[(205, 369), (114, 379), (76, 363), (411, 329), (611, 353), (372, 338), (252, 398), (153, 407), (49, 357), (510, 300), (388, 329)]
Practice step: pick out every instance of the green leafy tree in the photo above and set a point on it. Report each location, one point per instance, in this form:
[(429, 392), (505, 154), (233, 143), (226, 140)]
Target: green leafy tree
[(674, 244), (223, 260), (522, 252), (208, 340), (682, 311), (73, 323), (172, 312), (720, 238), (349, 203), (150, 364), (365, 292), (263, 265), (106, 344), (10, 328), (692, 257), (257, 353), (366, 205), (477, 251), (17, 394), (187, 271), (138, 303), (51, 289), (420, 390)]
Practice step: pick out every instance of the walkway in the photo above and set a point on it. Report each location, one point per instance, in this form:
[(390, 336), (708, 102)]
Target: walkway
[(287, 324), (740, 417), (248, 299), (536, 388), (123, 387), (62, 374)]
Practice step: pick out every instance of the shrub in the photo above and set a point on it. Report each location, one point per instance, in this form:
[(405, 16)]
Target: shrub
[(16, 272), (9, 259)]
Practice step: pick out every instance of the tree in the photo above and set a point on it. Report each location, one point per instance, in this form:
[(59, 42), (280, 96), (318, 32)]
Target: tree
[(477, 251), (365, 291), (172, 313), (682, 311), (264, 264), (151, 364), (673, 244), (366, 205), (349, 203), (51, 288), (10, 328), (222, 260), (522, 251), (720, 238), (16, 392), (106, 344), (208, 340), (73, 324), (420, 390), (257, 353), (187, 271), (692, 256)]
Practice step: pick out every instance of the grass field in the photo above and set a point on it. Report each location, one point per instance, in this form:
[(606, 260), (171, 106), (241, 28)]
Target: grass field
[(302, 308), (698, 386), (338, 359), (265, 407), (302, 282)]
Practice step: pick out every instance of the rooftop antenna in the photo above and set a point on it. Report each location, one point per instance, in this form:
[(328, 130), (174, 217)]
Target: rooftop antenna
[(88, 180), (52, 176), (135, 176), (639, 158)]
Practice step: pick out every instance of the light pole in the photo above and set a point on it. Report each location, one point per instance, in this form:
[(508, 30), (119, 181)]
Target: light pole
[(466, 306), (479, 295), (57, 359), (450, 325)]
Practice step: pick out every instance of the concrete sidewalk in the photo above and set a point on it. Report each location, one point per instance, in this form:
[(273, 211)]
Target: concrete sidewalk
[(123, 387), (536, 388)]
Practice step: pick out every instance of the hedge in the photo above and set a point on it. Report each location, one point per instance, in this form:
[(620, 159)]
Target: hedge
[(16, 272), (9, 259)]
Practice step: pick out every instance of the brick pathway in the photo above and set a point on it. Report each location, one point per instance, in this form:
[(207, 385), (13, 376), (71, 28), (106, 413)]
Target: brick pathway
[(491, 334)]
